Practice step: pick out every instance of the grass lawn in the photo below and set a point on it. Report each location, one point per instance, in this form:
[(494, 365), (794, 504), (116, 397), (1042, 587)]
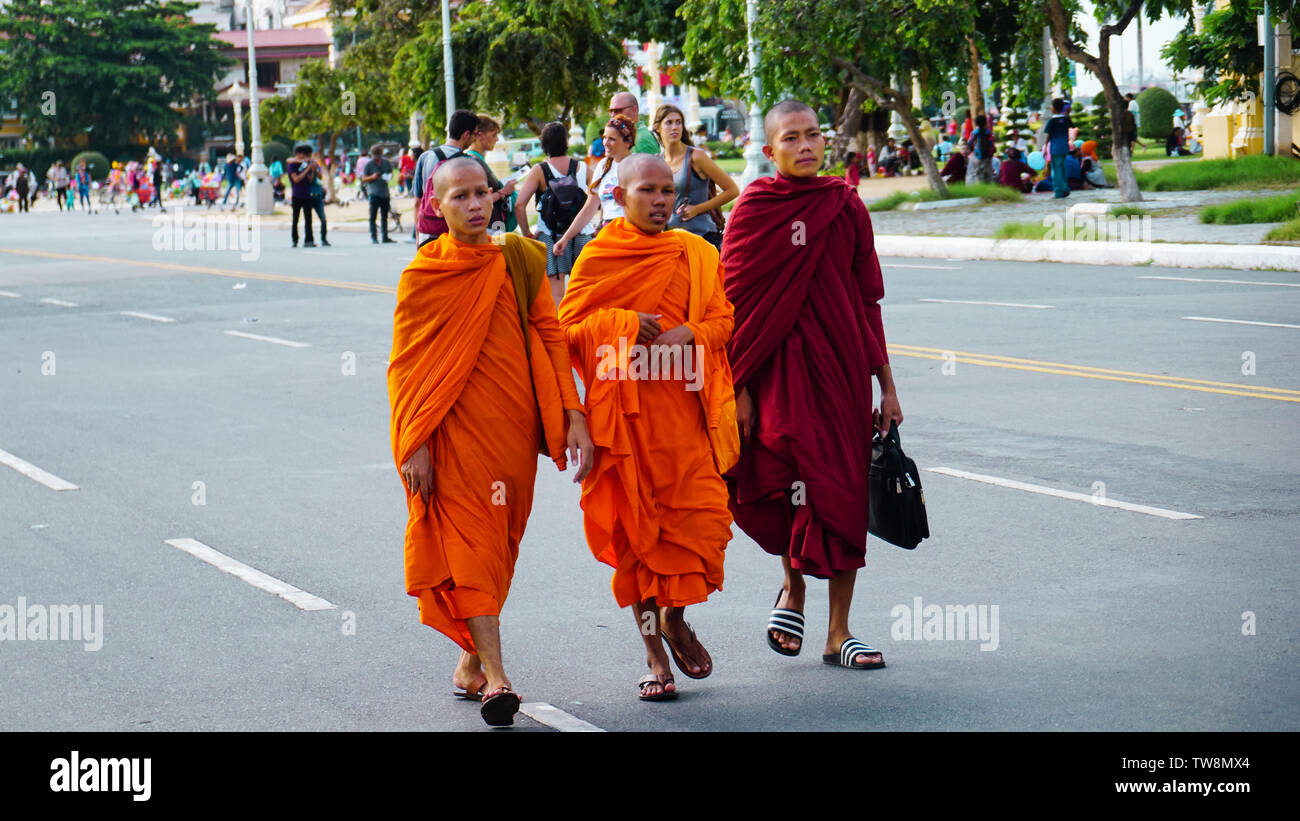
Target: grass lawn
[(1157, 152), (1287, 232), (732, 165), (1264, 209), (987, 192), (1253, 171), (1022, 230)]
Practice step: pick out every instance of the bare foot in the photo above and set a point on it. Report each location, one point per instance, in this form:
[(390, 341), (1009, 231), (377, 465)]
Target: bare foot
[(692, 657), (469, 675)]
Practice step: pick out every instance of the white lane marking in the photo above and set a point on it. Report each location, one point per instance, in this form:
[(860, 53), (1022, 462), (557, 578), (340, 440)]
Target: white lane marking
[(1000, 304), (1226, 281), (1239, 321), (928, 267), (554, 717), (61, 303), (34, 473), (1065, 494), (298, 598), (143, 315), (10, 295), (276, 340)]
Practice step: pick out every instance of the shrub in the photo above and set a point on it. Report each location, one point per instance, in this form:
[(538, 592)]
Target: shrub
[(97, 164), (721, 150), (1156, 112), (273, 150), (1286, 232)]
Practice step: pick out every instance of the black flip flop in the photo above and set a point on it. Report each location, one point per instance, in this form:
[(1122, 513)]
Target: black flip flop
[(499, 709), (785, 621), (651, 678), (678, 659), (468, 696)]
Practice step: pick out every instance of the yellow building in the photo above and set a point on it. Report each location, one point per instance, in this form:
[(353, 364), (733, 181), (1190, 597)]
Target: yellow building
[(1234, 129)]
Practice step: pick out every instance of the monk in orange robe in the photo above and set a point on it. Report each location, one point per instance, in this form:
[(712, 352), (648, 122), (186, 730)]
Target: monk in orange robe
[(647, 320), (479, 377)]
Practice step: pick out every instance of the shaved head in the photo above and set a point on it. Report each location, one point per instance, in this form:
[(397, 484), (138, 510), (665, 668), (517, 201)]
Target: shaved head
[(795, 143), (772, 119), (462, 170), (641, 166), (645, 190)]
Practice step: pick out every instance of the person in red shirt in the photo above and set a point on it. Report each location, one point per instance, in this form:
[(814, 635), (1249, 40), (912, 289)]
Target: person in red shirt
[(406, 167), (852, 172)]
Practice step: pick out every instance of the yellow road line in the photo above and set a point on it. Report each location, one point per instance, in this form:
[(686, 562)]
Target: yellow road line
[(1065, 372), (1157, 376), (916, 351), (219, 272)]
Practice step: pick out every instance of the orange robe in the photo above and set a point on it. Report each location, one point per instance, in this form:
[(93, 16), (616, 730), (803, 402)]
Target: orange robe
[(655, 504), (459, 383)]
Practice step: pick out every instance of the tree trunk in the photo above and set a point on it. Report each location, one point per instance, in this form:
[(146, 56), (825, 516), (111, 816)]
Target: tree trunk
[(974, 93), (1100, 67), (924, 149), (330, 196), (848, 126)]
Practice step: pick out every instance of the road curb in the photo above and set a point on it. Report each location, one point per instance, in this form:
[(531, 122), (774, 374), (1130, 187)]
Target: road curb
[(1164, 254)]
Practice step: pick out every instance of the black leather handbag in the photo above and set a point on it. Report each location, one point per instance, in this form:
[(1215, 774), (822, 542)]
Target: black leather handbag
[(897, 502)]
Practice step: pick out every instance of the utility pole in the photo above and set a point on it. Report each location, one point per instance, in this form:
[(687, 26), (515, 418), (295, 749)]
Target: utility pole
[(261, 198), (1270, 78), (449, 74), (756, 164)]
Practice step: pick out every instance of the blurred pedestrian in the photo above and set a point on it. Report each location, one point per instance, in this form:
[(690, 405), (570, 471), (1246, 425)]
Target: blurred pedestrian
[(376, 184)]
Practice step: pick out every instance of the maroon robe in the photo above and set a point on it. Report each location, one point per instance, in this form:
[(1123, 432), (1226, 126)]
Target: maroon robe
[(802, 273)]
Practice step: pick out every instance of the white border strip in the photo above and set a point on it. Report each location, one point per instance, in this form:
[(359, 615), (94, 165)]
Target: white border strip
[(1226, 281), (60, 302), (298, 598), (927, 267), (999, 304), (1064, 494), (10, 295), (276, 340), (34, 473), (1239, 321), (557, 719), (143, 315)]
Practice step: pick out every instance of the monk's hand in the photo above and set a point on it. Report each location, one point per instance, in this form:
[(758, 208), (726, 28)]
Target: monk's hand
[(417, 473), (649, 327), (580, 444), (745, 415), (889, 412)]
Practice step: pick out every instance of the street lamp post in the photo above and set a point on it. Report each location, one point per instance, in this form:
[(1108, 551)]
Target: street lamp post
[(756, 165), (236, 94), (261, 197), (448, 72)]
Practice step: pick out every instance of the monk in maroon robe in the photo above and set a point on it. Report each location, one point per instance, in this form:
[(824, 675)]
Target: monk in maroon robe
[(802, 273)]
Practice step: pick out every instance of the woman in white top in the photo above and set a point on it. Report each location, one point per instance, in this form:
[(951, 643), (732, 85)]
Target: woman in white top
[(555, 142), (619, 137)]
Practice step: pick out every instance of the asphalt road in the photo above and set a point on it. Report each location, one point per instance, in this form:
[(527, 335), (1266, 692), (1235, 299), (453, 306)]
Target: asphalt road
[(1107, 617)]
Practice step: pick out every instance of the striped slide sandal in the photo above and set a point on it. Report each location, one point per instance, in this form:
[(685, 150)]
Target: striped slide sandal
[(850, 649), (789, 622)]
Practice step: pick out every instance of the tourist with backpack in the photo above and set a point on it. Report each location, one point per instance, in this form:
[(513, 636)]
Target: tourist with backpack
[(983, 149), (560, 185), (619, 137), (461, 130), (702, 186)]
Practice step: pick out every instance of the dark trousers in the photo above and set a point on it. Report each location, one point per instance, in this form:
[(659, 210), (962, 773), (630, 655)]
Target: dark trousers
[(22, 199), (379, 205), (318, 205), (61, 194), (301, 205)]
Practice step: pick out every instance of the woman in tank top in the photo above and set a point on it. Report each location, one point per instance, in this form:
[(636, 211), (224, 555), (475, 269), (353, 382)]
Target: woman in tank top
[(620, 136), (692, 169)]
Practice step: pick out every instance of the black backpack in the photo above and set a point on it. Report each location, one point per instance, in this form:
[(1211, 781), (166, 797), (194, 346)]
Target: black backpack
[(563, 198)]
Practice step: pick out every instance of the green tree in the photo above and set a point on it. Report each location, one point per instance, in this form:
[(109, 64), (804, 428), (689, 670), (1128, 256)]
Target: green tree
[(327, 102), (1227, 51), (113, 69), (865, 46)]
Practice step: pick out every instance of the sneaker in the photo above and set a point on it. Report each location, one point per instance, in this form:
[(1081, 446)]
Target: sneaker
[(309, 244), (295, 244), (323, 241), (374, 241), (393, 241)]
